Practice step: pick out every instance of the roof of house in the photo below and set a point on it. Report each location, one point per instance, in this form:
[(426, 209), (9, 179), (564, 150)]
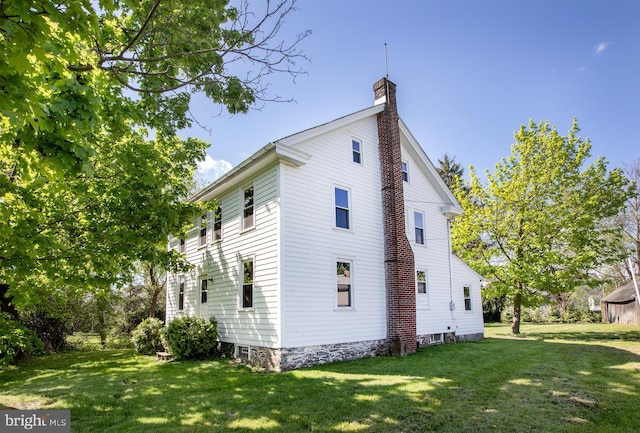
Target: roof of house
[(621, 295)]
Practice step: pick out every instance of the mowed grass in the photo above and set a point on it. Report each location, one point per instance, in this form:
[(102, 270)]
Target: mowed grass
[(553, 378)]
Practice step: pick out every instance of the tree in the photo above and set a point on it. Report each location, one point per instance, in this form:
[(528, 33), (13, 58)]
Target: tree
[(450, 171), (630, 219), (541, 218), (92, 173)]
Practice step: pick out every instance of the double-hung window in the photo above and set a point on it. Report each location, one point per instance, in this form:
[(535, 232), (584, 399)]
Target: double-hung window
[(181, 293), (421, 282), (203, 230), (248, 219), (405, 171), (247, 283), (467, 298), (217, 223), (204, 290), (342, 208), (344, 283), (356, 151), (182, 247), (418, 222)]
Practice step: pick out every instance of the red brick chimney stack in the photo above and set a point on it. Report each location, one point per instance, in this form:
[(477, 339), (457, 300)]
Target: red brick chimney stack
[(399, 263)]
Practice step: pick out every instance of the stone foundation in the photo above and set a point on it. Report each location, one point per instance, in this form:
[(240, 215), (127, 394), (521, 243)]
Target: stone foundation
[(291, 358)]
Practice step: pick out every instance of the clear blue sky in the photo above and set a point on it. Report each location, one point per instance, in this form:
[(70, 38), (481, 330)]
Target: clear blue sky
[(468, 74)]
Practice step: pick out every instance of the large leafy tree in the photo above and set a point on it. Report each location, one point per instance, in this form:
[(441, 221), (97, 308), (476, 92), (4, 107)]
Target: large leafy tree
[(539, 224), (92, 172)]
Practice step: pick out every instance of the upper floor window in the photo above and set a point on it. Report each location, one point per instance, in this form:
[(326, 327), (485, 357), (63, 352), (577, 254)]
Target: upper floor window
[(247, 211), (405, 171), (217, 223), (203, 230), (204, 290), (421, 282), (182, 247), (342, 208), (181, 293), (356, 150), (247, 283), (467, 298), (344, 283), (418, 221)]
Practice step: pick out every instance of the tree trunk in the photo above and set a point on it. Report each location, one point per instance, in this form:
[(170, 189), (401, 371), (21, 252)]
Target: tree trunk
[(101, 304), (5, 303), (154, 297), (517, 309), (562, 301)]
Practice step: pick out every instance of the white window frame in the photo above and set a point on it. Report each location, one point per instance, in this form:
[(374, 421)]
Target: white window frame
[(181, 292), (204, 289), (416, 228), (215, 236), (241, 280), (355, 152), (182, 246), (203, 221), (404, 166), (351, 291), (243, 208), (422, 299), (348, 208), (467, 299)]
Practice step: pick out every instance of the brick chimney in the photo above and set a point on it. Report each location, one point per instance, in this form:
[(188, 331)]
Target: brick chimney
[(399, 263)]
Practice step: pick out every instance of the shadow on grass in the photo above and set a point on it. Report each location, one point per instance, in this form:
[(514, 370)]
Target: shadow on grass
[(493, 385)]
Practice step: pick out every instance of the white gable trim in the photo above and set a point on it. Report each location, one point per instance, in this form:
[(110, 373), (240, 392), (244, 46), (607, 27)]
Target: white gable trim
[(310, 133), (263, 158)]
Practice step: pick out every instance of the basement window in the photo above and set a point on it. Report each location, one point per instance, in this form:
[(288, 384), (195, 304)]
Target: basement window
[(243, 353)]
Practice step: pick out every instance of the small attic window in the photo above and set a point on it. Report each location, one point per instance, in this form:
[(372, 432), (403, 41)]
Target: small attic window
[(405, 171), (356, 150)]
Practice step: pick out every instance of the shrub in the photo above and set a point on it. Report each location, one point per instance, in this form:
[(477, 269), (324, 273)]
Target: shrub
[(192, 337), (17, 341), (147, 336)]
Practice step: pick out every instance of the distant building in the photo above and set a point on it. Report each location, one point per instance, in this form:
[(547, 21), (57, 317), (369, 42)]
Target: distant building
[(621, 306)]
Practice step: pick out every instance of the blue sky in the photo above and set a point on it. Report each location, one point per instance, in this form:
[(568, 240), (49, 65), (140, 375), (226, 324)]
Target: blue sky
[(468, 74)]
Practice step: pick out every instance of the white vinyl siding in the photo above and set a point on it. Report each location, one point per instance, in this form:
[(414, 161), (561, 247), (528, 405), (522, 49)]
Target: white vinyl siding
[(222, 263), (312, 245)]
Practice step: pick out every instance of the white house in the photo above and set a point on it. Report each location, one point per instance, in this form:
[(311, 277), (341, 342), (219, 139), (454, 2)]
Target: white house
[(330, 244)]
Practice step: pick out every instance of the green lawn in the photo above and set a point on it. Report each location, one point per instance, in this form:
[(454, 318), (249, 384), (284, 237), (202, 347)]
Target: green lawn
[(553, 378)]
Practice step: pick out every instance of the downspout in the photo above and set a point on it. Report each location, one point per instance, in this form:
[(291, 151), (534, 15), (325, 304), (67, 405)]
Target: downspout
[(452, 305)]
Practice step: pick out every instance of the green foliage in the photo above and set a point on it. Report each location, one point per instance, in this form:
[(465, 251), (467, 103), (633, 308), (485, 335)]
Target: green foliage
[(147, 337), (191, 337), (17, 341), (567, 378), (92, 173), (539, 224)]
